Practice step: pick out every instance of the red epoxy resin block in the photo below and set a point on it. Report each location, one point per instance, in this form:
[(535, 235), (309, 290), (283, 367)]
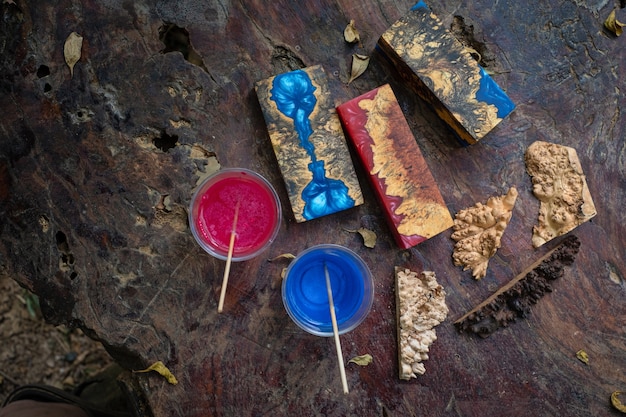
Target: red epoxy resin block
[(405, 186)]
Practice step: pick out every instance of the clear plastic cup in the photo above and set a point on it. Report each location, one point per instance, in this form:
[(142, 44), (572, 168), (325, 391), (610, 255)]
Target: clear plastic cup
[(212, 210), (305, 294)]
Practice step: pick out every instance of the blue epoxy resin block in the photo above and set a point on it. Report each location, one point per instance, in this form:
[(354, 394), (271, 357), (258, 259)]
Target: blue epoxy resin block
[(309, 143), (442, 71), (305, 293)]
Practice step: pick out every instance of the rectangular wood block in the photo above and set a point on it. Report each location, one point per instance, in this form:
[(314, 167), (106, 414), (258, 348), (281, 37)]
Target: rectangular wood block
[(309, 143), (442, 71), (398, 172)]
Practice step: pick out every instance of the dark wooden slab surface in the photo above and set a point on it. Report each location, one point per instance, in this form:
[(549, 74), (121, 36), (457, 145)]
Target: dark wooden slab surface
[(96, 172)]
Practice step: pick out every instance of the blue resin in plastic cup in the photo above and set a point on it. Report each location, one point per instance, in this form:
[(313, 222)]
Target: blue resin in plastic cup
[(306, 298)]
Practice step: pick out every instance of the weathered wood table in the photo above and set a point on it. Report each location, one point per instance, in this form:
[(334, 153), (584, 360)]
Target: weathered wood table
[(96, 172)]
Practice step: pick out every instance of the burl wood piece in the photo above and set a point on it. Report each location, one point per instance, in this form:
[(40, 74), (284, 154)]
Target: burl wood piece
[(405, 187), (559, 184), (443, 72), (309, 143), (420, 307), (515, 299), (478, 232)]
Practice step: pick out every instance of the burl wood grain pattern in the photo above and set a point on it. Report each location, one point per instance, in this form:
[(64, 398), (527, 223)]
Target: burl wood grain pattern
[(102, 167), (309, 144), (478, 232), (560, 186), (405, 187), (420, 308), (442, 70)]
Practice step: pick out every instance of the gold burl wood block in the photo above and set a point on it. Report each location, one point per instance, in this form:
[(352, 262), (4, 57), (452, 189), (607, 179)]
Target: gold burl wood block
[(401, 178), (443, 72), (560, 185), (309, 143)]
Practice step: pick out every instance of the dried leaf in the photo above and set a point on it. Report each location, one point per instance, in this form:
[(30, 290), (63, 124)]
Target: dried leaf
[(362, 360), (283, 273), (617, 403), (369, 237), (283, 256), (583, 357), (71, 50), (359, 65), (161, 369), (614, 25), (350, 34)]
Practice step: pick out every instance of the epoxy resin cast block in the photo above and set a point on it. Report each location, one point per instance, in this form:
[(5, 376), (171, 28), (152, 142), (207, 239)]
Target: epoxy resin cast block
[(442, 71), (308, 142), (403, 183)]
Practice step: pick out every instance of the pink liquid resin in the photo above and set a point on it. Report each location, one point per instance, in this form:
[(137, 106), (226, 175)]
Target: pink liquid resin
[(257, 220)]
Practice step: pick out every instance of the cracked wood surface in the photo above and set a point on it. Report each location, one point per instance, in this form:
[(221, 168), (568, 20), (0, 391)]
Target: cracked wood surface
[(96, 172)]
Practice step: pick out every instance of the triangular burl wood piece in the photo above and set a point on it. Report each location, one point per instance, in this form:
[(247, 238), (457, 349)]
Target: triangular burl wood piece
[(559, 184), (515, 299), (420, 306), (478, 232)]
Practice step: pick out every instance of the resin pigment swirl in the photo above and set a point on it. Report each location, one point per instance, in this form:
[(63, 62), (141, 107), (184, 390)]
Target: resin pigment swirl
[(294, 96)]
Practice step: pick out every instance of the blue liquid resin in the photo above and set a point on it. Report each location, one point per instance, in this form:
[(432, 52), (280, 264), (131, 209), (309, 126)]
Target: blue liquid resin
[(306, 296)]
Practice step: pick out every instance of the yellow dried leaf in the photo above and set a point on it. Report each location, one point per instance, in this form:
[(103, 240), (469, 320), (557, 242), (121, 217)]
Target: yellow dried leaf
[(283, 256), (583, 357), (71, 50), (161, 369), (614, 25), (616, 401), (359, 65), (362, 360), (283, 272), (350, 34), (369, 237)]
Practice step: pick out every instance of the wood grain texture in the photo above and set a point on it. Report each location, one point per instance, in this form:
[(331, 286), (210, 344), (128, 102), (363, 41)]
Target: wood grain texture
[(399, 174), (309, 144), (442, 71), (79, 156)]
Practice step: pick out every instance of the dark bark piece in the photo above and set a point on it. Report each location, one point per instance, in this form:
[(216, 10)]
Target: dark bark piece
[(515, 299)]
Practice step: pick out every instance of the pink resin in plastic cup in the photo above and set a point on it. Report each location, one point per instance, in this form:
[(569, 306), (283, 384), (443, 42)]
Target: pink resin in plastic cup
[(212, 212)]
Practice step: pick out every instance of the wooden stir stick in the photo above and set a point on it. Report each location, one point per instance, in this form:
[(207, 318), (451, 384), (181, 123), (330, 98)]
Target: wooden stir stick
[(229, 258), (333, 318)]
